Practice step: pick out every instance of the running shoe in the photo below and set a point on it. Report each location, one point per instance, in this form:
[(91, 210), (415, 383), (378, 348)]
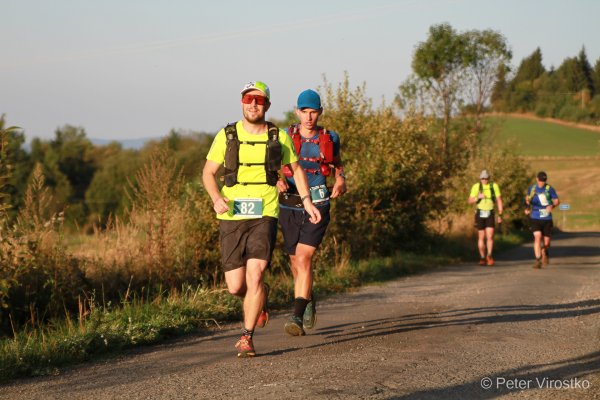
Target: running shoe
[(309, 319), (245, 347), (482, 261), (263, 318), (490, 261), (545, 257), (294, 326), (538, 263)]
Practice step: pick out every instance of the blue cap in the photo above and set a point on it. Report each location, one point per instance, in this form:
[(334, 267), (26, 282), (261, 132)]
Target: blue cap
[(309, 99)]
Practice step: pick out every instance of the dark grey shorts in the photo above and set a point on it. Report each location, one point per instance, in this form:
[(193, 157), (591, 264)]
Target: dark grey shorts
[(245, 239), (297, 228), (543, 225)]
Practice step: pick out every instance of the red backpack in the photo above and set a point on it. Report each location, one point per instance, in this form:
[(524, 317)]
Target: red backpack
[(325, 149)]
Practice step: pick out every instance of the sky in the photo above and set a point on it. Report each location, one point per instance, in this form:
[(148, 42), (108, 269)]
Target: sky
[(130, 69)]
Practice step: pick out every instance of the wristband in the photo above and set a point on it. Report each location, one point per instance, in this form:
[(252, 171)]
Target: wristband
[(304, 198)]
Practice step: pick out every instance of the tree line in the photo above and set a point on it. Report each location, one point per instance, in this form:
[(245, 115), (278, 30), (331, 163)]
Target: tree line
[(570, 92), (454, 73)]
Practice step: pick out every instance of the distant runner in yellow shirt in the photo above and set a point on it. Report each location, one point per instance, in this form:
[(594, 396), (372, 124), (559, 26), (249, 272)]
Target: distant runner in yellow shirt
[(484, 194)]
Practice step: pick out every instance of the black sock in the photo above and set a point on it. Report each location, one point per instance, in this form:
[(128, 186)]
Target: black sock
[(299, 306), (247, 332)]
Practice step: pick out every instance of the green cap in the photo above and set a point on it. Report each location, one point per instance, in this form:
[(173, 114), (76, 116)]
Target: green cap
[(257, 85)]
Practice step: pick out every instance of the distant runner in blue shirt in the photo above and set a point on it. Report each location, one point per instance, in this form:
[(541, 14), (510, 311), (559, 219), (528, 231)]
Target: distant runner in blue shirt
[(541, 199)]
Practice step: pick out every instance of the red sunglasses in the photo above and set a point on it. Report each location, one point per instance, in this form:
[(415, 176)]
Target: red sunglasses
[(249, 98)]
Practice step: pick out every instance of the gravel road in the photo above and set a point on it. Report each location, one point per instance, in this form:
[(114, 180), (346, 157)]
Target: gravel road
[(456, 332)]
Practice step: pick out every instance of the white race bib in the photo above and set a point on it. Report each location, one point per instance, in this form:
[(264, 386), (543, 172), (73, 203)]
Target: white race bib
[(543, 199), (484, 213), (544, 213), (251, 207)]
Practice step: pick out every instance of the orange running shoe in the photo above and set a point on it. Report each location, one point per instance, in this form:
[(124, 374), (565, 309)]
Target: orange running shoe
[(482, 261), (490, 261), (245, 347), (263, 318)]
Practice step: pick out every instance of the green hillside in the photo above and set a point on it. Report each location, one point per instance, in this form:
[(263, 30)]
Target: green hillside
[(541, 138), (573, 177)]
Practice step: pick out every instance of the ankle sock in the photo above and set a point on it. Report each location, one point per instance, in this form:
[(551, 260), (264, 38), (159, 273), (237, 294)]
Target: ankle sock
[(247, 332), (299, 306)]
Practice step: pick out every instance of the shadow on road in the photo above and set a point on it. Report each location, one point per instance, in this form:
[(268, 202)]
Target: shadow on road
[(554, 376), (461, 317)]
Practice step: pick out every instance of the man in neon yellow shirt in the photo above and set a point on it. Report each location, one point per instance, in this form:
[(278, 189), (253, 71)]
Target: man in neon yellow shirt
[(484, 194), (252, 152)]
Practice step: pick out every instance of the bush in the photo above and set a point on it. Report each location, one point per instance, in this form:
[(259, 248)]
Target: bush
[(38, 278), (389, 168)]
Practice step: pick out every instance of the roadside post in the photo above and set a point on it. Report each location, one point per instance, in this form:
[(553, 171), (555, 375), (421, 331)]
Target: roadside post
[(563, 208)]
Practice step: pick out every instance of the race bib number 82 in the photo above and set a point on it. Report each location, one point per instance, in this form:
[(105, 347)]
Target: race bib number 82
[(247, 208)]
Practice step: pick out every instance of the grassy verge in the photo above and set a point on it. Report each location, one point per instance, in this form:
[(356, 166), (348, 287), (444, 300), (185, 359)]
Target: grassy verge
[(103, 330)]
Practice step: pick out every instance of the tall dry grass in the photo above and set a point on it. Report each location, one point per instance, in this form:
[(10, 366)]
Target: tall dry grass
[(166, 239)]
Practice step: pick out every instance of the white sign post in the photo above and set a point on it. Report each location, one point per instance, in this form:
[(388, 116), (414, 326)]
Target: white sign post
[(564, 207)]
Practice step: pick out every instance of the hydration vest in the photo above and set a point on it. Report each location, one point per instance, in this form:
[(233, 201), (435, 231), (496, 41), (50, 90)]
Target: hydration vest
[(491, 192), (546, 191), (273, 156), (325, 158)]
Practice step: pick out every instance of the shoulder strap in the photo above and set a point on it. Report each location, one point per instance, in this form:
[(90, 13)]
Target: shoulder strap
[(547, 190), (326, 146), (273, 156), (296, 138), (531, 192), (231, 155), (492, 192)]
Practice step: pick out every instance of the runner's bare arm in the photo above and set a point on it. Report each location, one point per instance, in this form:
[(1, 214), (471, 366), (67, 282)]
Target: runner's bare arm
[(554, 204), (209, 179), (339, 187), (302, 185), (500, 208)]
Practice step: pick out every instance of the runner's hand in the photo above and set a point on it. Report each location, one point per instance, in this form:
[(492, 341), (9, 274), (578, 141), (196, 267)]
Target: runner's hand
[(220, 205), (339, 188), (315, 214), (282, 185)]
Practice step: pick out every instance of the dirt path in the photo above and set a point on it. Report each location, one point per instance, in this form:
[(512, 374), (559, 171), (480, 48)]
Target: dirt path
[(439, 335)]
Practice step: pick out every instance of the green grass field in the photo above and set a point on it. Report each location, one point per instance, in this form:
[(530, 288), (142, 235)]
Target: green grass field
[(571, 158), (541, 138)]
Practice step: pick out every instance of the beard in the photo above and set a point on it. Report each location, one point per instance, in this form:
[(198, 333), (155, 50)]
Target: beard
[(254, 117)]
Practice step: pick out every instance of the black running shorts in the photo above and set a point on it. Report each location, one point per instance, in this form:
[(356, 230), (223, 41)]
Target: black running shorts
[(482, 223), (245, 239), (297, 228), (542, 225)]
